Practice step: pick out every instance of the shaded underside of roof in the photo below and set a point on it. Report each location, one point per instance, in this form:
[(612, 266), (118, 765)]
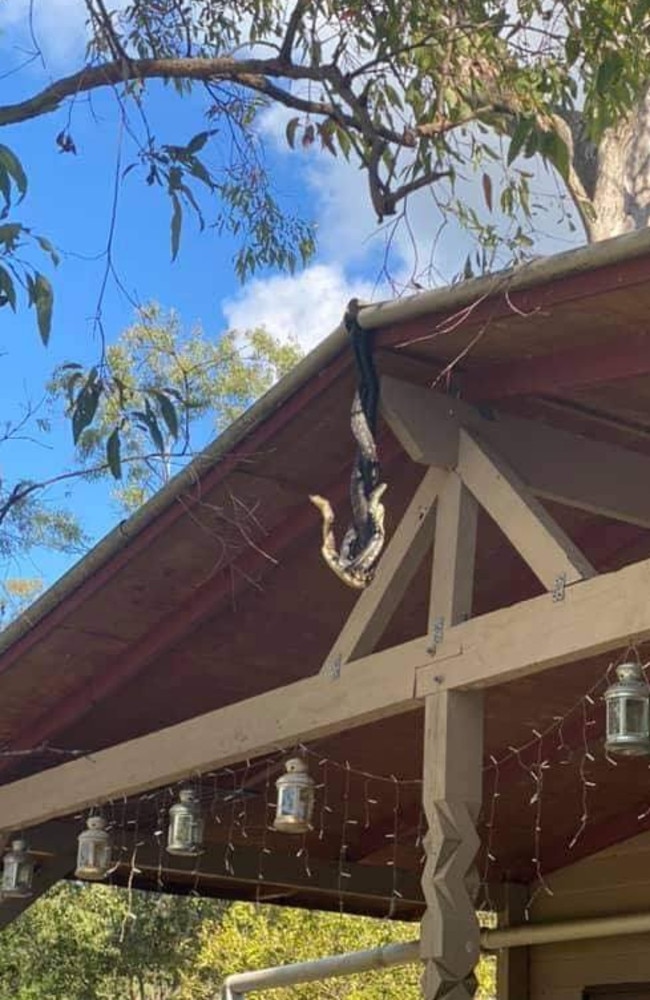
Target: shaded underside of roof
[(217, 591)]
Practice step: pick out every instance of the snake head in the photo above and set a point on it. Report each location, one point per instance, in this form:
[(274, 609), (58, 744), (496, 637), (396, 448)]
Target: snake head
[(324, 507)]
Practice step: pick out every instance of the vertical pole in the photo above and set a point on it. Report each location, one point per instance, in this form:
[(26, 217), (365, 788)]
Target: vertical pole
[(452, 577), (512, 963), (452, 770), (452, 783)]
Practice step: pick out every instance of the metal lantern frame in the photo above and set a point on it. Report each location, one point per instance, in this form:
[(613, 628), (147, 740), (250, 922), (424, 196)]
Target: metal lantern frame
[(627, 703), (94, 851), (185, 830), (296, 794), (17, 871)]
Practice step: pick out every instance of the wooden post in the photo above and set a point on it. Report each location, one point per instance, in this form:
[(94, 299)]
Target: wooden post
[(452, 579), (452, 780), (452, 770), (512, 963)]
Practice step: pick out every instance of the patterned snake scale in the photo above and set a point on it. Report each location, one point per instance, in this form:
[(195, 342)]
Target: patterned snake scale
[(356, 561)]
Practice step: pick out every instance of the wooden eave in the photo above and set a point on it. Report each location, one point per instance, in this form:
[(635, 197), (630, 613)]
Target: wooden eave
[(220, 594)]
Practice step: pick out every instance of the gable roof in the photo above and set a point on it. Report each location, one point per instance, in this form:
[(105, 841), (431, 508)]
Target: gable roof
[(215, 590)]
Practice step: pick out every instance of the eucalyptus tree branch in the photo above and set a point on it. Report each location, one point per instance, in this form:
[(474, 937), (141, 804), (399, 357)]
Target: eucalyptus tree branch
[(253, 74), (110, 74), (104, 24), (293, 24), (574, 181), (26, 488), (404, 190)]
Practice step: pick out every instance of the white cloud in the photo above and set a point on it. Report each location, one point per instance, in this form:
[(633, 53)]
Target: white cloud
[(347, 228), (305, 306), (57, 28)]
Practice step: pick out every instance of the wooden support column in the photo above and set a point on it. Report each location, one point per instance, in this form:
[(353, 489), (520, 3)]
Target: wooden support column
[(452, 780), (452, 769), (512, 963), (452, 579)]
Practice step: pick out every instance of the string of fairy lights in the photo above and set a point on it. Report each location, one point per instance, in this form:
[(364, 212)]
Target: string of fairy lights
[(313, 799), (309, 799), (625, 691)]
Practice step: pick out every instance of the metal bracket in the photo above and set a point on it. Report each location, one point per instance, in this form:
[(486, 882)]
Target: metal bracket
[(437, 634), (559, 588), (334, 667)]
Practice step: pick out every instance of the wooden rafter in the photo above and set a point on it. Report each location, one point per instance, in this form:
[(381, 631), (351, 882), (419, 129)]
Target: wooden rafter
[(542, 543), (554, 464), (404, 553), (622, 357)]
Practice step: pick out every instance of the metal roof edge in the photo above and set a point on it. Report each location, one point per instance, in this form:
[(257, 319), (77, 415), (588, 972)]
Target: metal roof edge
[(540, 271)]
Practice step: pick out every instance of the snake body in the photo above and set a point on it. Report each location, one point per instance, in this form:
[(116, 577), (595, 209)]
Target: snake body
[(356, 560)]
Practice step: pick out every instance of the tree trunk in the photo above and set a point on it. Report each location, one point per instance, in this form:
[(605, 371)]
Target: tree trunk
[(615, 176)]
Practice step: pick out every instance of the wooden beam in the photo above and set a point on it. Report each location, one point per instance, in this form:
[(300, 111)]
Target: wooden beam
[(308, 709), (376, 605), (451, 797), (541, 542), (555, 464), (452, 576), (274, 871), (595, 616)]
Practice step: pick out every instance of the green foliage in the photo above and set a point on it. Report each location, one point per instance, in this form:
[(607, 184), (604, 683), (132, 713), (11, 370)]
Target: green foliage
[(27, 521), (16, 594), (247, 937), (14, 270), (82, 941), (418, 94), (137, 417)]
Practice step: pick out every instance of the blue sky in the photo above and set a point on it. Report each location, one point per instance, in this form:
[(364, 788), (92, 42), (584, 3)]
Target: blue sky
[(70, 200)]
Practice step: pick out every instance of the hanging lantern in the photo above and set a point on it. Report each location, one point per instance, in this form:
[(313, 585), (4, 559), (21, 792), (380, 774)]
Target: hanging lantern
[(185, 833), (95, 850), (628, 712), (17, 871), (295, 798)]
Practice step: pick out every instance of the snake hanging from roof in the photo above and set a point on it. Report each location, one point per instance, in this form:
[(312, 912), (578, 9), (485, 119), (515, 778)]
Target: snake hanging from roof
[(356, 560)]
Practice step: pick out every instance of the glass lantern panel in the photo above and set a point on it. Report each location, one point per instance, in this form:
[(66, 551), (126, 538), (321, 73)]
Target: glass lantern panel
[(25, 870), (17, 877), (10, 875), (615, 717), (186, 831), (93, 854), (636, 716), (295, 803)]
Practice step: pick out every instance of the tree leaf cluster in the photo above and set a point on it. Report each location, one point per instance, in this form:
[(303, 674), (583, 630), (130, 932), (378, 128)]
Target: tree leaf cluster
[(82, 941), (15, 271), (137, 417), (419, 95)]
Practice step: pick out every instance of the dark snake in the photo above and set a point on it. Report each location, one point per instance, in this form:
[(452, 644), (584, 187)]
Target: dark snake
[(356, 560)]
